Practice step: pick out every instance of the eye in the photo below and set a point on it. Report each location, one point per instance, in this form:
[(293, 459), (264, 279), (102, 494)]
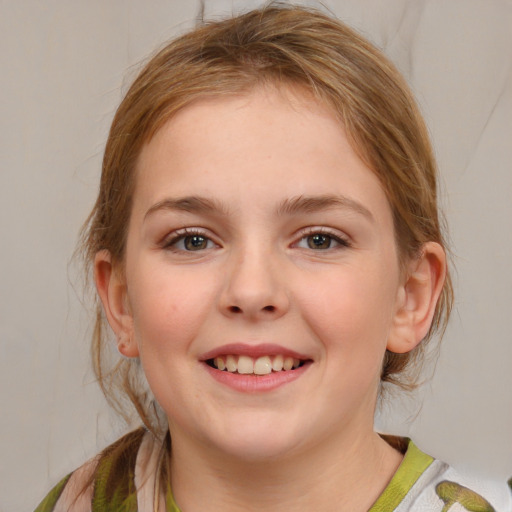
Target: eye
[(189, 241), (195, 242), (319, 241)]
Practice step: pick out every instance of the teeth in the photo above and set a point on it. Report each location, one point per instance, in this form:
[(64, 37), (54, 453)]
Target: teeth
[(264, 365), (245, 365), (288, 363), (231, 365), (277, 363)]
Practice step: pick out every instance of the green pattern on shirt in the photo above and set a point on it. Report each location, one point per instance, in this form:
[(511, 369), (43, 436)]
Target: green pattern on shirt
[(48, 504), (452, 492), (413, 465)]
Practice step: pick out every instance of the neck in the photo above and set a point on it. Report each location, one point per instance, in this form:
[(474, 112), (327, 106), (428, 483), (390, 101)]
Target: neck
[(336, 475)]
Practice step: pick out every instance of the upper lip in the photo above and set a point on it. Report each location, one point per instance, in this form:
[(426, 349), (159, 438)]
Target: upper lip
[(254, 351)]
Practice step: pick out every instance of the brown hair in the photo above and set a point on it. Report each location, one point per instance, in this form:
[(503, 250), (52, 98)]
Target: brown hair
[(276, 45)]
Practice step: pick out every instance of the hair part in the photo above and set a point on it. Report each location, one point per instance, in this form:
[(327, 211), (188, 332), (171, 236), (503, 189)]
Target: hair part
[(282, 46)]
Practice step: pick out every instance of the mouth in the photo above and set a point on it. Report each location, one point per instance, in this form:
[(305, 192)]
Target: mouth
[(259, 366)]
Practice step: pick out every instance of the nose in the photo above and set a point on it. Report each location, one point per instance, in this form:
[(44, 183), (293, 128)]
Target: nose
[(254, 287)]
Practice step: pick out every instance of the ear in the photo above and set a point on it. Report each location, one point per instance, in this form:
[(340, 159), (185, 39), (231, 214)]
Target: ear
[(113, 294), (417, 298)]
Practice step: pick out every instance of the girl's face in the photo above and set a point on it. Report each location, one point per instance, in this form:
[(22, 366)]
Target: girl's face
[(258, 238)]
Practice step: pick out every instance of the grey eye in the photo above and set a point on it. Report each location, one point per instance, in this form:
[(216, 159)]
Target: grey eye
[(321, 241)]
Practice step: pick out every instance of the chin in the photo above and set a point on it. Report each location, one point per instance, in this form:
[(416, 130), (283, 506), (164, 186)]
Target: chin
[(258, 441), (260, 450)]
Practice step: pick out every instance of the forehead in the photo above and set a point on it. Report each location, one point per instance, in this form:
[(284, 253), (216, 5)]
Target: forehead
[(202, 110), (277, 141)]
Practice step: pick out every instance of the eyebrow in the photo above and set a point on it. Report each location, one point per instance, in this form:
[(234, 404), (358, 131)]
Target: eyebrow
[(291, 206), (191, 204), (312, 204)]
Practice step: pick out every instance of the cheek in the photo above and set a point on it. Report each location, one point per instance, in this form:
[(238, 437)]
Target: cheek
[(168, 309), (350, 310), (168, 312)]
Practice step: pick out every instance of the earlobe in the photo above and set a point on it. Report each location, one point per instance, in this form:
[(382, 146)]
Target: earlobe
[(112, 291), (417, 298)]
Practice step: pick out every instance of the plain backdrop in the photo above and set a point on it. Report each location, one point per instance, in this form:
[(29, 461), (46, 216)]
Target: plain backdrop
[(64, 66)]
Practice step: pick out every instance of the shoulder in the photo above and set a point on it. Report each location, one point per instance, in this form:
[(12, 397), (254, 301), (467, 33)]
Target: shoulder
[(118, 478), (439, 487)]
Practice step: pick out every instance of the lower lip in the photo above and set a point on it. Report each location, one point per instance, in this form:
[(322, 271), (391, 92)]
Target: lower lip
[(256, 383)]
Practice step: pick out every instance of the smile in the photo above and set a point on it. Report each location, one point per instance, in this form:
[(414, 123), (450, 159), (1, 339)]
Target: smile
[(263, 365), (250, 368)]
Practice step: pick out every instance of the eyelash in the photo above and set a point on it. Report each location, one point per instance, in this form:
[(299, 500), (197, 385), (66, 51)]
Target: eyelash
[(342, 242), (171, 242)]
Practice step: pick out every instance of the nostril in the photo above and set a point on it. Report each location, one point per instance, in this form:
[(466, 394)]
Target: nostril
[(237, 309)]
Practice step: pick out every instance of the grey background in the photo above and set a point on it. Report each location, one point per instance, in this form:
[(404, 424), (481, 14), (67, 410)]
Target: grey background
[(64, 66)]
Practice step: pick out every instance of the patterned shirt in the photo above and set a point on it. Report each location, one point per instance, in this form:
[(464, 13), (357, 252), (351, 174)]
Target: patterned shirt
[(123, 479)]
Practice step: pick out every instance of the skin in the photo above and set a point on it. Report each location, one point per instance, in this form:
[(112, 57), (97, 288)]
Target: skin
[(257, 280)]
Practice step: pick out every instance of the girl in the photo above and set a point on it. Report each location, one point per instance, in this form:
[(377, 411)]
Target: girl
[(266, 246)]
